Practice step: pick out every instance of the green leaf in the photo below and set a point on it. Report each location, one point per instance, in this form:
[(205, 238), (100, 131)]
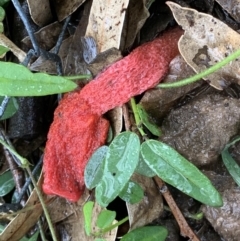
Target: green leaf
[(11, 109), (87, 213), (94, 169), (3, 49), (146, 120), (174, 169), (105, 218), (3, 2), (17, 80), (230, 163), (120, 163), (2, 14), (150, 233), (6, 183), (143, 169), (132, 193)]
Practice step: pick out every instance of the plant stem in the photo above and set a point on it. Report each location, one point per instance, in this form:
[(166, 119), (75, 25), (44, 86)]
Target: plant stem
[(25, 164), (107, 229), (203, 74), (137, 118)]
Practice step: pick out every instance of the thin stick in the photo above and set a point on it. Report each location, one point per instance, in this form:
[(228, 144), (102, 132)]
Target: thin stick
[(185, 230)]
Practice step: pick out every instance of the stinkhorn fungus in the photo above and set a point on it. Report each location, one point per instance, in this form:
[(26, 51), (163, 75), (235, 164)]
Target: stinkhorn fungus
[(79, 129)]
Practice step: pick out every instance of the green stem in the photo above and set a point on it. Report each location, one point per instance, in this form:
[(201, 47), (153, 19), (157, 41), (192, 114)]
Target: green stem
[(107, 229), (137, 118), (23, 161), (203, 74), (25, 164), (76, 77)]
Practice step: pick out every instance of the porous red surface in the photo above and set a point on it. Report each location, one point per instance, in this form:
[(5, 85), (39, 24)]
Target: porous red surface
[(78, 128)]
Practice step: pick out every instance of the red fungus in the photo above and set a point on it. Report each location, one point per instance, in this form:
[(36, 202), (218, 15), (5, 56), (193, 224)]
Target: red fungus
[(78, 128)]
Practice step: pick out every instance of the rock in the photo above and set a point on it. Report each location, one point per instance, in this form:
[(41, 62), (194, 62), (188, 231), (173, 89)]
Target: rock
[(200, 129)]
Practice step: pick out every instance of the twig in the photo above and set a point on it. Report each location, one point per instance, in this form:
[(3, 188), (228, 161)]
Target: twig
[(17, 172), (185, 230)]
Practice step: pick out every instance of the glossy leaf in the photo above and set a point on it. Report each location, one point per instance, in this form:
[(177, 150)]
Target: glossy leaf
[(11, 109), (6, 183), (105, 218), (132, 193), (87, 212), (17, 80), (174, 169), (143, 169), (120, 163), (230, 163), (145, 118), (151, 233), (94, 169)]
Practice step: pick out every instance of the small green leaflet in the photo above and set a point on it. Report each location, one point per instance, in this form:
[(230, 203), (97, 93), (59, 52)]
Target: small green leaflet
[(145, 118), (230, 163), (17, 80), (132, 193), (151, 233), (6, 183), (175, 170), (87, 212), (11, 109), (94, 170), (120, 163), (105, 218)]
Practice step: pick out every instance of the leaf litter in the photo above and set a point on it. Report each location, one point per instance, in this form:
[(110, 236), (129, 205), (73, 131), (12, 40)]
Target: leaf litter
[(206, 56)]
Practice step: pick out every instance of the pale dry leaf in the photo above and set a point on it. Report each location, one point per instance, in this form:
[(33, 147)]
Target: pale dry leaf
[(106, 22), (40, 11), (64, 8), (4, 41), (232, 7), (207, 41), (149, 208), (21, 224)]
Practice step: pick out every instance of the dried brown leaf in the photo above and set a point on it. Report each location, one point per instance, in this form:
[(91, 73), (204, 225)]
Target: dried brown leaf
[(207, 41), (40, 11), (149, 208), (64, 8)]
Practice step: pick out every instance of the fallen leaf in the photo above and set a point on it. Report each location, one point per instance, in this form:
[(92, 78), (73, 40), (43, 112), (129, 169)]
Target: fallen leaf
[(64, 8), (46, 36), (40, 11), (207, 41), (232, 7), (149, 208), (106, 22)]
